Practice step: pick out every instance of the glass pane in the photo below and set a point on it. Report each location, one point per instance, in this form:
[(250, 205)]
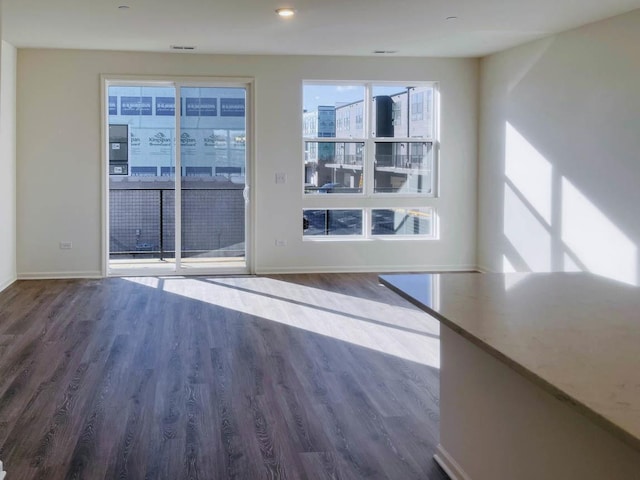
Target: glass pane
[(331, 222), (402, 112), (334, 167), (405, 168), (141, 174), (333, 111), (213, 154), (402, 221)]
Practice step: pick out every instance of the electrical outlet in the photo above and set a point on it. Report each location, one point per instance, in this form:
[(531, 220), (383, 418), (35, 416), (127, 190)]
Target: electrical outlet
[(66, 245), (281, 177), (280, 242)]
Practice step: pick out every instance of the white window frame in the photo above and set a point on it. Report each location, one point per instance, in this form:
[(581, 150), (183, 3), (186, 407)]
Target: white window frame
[(432, 234), (368, 200), (370, 141), (178, 82)]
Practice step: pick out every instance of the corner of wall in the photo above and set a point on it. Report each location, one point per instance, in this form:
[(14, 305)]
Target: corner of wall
[(544, 180), (8, 227), (479, 108)]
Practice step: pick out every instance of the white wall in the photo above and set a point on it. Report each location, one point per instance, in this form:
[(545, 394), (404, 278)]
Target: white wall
[(59, 157), (7, 164), (559, 158)]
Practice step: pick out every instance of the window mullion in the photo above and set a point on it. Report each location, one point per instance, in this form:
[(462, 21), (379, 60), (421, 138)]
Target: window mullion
[(369, 144)]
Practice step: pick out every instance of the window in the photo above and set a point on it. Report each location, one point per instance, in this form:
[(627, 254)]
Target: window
[(369, 142), (322, 222), (144, 171), (417, 105), (198, 171), (359, 117), (402, 221), (341, 170), (396, 113)]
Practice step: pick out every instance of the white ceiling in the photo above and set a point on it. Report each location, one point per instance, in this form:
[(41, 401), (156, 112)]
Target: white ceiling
[(321, 27)]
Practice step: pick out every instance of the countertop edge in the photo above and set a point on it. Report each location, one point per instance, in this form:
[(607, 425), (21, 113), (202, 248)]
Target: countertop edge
[(622, 434)]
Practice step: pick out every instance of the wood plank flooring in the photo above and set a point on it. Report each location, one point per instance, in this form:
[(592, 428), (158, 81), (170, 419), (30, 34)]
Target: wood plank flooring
[(278, 377)]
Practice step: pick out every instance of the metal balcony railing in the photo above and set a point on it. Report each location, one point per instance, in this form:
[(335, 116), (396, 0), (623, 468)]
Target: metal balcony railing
[(142, 222), (348, 159), (400, 161)]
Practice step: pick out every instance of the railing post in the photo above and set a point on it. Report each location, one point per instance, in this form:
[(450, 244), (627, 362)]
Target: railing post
[(161, 225), (326, 222)]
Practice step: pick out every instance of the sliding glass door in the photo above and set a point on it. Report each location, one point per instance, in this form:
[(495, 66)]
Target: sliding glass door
[(213, 154), (177, 177)]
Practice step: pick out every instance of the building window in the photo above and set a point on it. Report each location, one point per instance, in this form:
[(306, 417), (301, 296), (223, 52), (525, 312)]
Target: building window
[(144, 171), (417, 105), (396, 114), (377, 141)]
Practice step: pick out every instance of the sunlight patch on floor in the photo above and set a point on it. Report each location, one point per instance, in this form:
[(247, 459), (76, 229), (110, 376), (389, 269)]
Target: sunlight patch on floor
[(404, 332)]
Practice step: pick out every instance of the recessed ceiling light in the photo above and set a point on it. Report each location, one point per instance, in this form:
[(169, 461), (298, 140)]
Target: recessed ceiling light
[(451, 18), (124, 7), (381, 52), (182, 47), (286, 12)]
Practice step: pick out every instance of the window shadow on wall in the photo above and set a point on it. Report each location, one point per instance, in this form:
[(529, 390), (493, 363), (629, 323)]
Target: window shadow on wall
[(559, 169), (550, 225)]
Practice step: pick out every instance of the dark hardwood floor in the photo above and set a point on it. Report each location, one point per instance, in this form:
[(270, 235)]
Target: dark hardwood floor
[(279, 377)]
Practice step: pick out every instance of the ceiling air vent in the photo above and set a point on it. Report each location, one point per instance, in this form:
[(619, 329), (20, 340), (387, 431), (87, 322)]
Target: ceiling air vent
[(181, 47)]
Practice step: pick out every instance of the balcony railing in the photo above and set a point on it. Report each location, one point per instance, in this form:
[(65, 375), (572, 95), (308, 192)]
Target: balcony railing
[(400, 161), (382, 160), (348, 159), (142, 222)]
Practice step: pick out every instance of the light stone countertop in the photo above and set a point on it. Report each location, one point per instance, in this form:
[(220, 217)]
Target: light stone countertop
[(577, 335)]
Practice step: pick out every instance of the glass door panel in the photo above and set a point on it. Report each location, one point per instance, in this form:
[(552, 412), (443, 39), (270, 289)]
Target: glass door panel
[(213, 159), (141, 159)]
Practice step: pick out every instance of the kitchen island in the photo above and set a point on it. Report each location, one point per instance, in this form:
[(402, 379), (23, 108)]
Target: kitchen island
[(540, 373)]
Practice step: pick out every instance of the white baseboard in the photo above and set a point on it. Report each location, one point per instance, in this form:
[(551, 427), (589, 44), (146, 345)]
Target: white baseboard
[(4, 284), (483, 269), (449, 465), (367, 269), (262, 271), (58, 275)]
